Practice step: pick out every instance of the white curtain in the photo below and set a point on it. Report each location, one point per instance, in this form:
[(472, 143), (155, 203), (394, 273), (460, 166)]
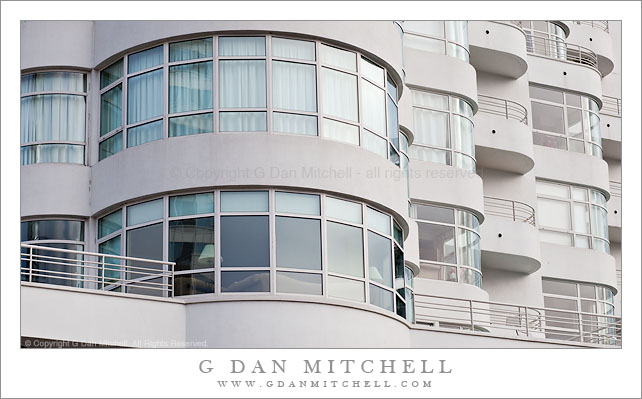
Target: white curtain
[(190, 87), (242, 84), (241, 46), (190, 50), (340, 131), (243, 122), (339, 58), (145, 96), (373, 103), (463, 135), (191, 124), (53, 81), (145, 59), (293, 123), (144, 133), (374, 143), (53, 153), (296, 49), (431, 128), (52, 117), (294, 86), (339, 94)]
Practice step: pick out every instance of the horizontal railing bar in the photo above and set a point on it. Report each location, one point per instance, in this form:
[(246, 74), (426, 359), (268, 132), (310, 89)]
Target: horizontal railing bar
[(96, 254), (115, 268)]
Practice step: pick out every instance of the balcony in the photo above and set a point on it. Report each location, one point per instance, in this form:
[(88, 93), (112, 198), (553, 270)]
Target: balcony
[(503, 139), (498, 47), (603, 25), (509, 237), (510, 320), (595, 36), (560, 50)]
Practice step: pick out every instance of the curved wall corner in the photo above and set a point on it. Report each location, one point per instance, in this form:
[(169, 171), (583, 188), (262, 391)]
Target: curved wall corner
[(55, 189), (578, 264), (598, 41), (65, 44), (446, 185), (249, 160), (442, 73), (498, 48), (509, 245), (572, 167), (503, 144)]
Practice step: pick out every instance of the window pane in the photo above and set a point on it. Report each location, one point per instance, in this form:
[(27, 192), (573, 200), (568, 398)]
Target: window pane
[(601, 245), (464, 162), (111, 110), (393, 124), (54, 271), (244, 201), (72, 230), (52, 153), (111, 74), (469, 276), (298, 243), (431, 128), (378, 221), (243, 122), (146, 243), (191, 204), (391, 86), (462, 107), (345, 249), (373, 103), (374, 143), (254, 281), (241, 46), (191, 243), (468, 219), (304, 204), (581, 218), (340, 131), (242, 84), (379, 259), (191, 124), (51, 117), (372, 72), (587, 291), (399, 271), (430, 155), (110, 223), (541, 93), (560, 303), (397, 233), (297, 49), (551, 189), (293, 123), (190, 87), (145, 133), (339, 58), (190, 50), (245, 241), (598, 198), (599, 222), (112, 271), (548, 117), (558, 287), (432, 28), (553, 213), (424, 44), (75, 82), (382, 298), (145, 59), (343, 210), (298, 283), (110, 146), (582, 242), (463, 135), (430, 100), (294, 86), (574, 123), (555, 237), (145, 212), (434, 213), (339, 93), (346, 289), (576, 146), (468, 249), (194, 283), (548, 140), (436, 243), (145, 96)]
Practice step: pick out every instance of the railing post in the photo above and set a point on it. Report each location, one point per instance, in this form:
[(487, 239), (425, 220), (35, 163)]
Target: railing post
[(526, 317), (30, 262), (472, 318), (514, 216), (102, 271), (172, 277)]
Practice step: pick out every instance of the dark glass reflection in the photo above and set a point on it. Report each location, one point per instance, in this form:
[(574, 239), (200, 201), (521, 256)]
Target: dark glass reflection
[(379, 259), (245, 241), (298, 243), (194, 283), (399, 271), (382, 298), (191, 243), (72, 230), (145, 242), (252, 281), (54, 273), (401, 307)]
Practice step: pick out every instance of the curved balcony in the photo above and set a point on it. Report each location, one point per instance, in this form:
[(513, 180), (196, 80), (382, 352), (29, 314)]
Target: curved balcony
[(603, 25), (498, 47), (509, 236), (557, 49), (503, 139), (595, 36)]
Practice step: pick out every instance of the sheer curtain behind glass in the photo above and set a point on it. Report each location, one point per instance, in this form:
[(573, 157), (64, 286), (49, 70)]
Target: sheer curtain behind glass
[(52, 117), (145, 96), (190, 87), (242, 84)]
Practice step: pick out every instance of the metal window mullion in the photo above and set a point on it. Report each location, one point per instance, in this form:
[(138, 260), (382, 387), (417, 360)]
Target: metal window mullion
[(272, 241), (165, 92), (366, 274), (324, 248), (125, 104), (166, 268), (217, 240)]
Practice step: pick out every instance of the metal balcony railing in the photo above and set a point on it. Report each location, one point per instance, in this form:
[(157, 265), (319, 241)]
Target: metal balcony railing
[(604, 25), (515, 210), (558, 49), (615, 188), (96, 271), (510, 320), (504, 108), (611, 106)]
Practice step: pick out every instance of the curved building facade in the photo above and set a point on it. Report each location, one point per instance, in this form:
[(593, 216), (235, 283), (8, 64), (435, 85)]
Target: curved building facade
[(319, 183)]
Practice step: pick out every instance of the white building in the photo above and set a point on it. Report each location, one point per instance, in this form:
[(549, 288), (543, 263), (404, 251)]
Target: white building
[(321, 184)]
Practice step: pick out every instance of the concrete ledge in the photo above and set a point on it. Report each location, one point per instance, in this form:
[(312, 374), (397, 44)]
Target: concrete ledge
[(54, 189), (501, 51)]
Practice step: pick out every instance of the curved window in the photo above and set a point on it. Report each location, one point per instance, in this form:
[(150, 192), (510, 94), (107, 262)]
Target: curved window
[(52, 117), (266, 241), (443, 130), (566, 121), (441, 37), (571, 215), (448, 244), (231, 84), (54, 233)]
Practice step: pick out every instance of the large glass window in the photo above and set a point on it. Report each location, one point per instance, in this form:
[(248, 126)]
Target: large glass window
[(449, 244), (565, 121), (52, 117), (442, 37), (443, 130), (572, 215)]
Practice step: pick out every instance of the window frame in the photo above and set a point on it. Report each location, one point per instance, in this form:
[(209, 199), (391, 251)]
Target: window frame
[(444, 39)]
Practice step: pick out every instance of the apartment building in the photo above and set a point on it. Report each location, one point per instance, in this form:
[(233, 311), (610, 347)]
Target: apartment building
[(250, 184)]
